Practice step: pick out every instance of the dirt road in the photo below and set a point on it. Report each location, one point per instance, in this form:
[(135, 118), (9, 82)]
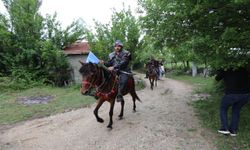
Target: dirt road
[(163, 121)]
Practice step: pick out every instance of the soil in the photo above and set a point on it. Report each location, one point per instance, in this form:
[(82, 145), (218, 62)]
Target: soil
[(41, 99), (163, 121)]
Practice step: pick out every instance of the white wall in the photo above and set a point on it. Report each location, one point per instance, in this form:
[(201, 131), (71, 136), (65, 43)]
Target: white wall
[(74, 62)]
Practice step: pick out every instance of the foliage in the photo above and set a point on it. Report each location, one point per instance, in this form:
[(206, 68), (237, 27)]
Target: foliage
[(8, 84), (11, 90), (31, 46), (100, 42), (126, 28), (4, 42), (62, 38), (146, 50), (12, 112), (123, 26), (214, 30)]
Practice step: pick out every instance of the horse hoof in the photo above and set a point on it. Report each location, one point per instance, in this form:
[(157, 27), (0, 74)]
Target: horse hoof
[(120, 117), (134, 111), (100, 120), (109, 126)]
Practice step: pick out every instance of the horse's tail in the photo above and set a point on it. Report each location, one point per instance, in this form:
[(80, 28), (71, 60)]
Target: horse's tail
[(133, 91), (136, 97)]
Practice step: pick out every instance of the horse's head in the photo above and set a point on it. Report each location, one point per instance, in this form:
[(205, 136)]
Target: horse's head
[(88, 72), (151, 68)]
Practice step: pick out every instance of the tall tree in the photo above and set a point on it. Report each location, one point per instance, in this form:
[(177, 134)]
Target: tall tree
[(123, 26), (5, 42), (26, 26), (215, 30), (126, 28), (32, 45)]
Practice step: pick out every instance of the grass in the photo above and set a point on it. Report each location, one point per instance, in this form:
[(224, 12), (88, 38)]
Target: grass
[(208, 112), (65, 99), (202, 85)]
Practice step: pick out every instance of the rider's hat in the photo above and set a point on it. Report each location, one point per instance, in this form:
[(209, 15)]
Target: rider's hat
[(118, 43)]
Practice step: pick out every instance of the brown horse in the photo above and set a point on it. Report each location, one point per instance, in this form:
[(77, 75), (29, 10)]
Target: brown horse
[(105, 84), (152, 75)]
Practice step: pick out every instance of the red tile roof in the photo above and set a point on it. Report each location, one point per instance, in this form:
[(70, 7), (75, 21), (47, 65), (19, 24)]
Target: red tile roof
[(77, 48)]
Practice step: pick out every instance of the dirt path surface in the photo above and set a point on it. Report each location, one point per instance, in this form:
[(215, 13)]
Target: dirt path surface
[(163, 121)]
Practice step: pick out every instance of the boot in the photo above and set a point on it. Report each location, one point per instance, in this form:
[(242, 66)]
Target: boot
[(119, 96), (146, 75)]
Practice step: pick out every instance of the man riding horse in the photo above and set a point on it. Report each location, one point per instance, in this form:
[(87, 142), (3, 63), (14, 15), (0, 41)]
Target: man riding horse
[(119, 62), (156, 64)]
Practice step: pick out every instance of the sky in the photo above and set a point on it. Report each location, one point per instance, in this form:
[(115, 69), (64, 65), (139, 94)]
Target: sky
[(69, 10)]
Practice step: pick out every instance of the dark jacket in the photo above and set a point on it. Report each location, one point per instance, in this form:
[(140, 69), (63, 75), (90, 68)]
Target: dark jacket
[(236, 81), (119, 61)]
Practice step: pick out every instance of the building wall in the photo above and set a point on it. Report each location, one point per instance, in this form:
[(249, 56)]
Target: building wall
[(74, 62)]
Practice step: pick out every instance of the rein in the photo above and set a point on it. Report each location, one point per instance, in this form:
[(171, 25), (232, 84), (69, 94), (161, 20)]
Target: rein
[(107, 96), (99, 91), (104, 79), (84, 82), (100, 74), (94, 80)]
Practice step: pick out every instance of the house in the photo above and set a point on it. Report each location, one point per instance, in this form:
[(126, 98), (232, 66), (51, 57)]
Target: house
[(75, 52)]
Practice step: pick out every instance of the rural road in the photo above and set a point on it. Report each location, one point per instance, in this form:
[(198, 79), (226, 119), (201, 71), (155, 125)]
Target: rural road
[(163, 121)]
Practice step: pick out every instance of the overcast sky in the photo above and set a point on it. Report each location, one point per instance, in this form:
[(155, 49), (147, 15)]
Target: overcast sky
[(68, 10)]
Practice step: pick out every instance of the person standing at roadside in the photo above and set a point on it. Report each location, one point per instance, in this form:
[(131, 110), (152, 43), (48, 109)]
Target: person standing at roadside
[(236, 95)]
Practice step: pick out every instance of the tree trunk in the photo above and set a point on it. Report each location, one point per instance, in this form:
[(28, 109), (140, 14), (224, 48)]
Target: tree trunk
[(187, 64), (194, 70)]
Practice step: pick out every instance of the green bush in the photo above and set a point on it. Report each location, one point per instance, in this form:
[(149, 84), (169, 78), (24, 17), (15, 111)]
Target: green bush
[(8, 84), (177, 72)]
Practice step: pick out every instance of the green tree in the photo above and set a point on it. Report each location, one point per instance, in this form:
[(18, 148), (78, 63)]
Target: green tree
[(215, 30), (101, 41), (31, 46), (126, 28), (123, 26), (25, 27), (5, 42), (62, 38)]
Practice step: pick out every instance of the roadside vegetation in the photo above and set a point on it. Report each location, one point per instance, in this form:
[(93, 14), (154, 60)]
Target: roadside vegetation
[(12, 110), (62, 99)]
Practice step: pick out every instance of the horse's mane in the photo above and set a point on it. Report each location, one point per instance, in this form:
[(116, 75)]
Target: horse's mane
[(86, 68)]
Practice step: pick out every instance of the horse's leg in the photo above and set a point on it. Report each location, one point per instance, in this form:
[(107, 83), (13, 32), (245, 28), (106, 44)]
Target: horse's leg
[(133, 94), (151, 83), (156, 82), (99, 104), (111, 110), (122, 109)]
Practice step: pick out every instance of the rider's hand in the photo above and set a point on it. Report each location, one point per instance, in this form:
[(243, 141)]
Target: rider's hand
[(101, 61), (110, 68)]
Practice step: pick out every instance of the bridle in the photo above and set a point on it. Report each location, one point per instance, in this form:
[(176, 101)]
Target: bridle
[(90, 84), (98, 81)]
